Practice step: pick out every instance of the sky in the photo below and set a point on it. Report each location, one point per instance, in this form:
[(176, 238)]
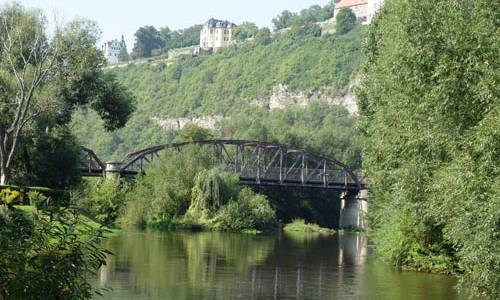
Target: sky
[(117, 17)]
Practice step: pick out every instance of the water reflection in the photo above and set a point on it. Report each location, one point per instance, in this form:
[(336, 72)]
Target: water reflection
[(232, 266)]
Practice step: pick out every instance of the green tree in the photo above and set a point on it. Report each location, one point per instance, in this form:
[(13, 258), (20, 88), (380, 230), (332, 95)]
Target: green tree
[(345, 21), (309, 15), (313, 14), (283, 20), (430, 113), (166, 36), (185, 37), (327, 11), (263, 36), (48, 155), (46, 78), (245, 30), (147, 39)]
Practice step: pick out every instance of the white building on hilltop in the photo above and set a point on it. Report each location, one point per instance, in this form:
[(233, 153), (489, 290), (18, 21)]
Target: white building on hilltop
[(364, 10), (373, 7), (112, 49), (216, 34)]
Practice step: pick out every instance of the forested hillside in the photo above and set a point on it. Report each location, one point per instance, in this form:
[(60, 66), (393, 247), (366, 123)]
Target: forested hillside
[(235, 85)]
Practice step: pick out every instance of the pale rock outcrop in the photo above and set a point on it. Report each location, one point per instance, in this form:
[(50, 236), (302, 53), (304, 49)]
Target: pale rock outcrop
[(282, 97), (208, 122)]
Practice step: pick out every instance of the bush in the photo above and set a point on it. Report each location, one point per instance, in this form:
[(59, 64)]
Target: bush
[(299, 225), (9, 197), (305, 30), (105, 200), (38, 199), (345, 21), (249, 211), (52, 260)]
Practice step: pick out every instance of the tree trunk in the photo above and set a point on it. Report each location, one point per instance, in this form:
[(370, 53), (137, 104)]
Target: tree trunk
[(3, 161), (4, 174), (4, 170)]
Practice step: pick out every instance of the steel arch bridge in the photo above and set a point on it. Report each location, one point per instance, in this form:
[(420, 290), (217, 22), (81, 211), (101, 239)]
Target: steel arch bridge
[(257, 163)]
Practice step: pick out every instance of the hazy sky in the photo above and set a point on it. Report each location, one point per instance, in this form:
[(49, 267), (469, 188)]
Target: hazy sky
[(117, 17)]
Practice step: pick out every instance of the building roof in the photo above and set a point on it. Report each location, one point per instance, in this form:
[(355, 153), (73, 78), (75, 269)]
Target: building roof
[(350, 3), (214, 23)]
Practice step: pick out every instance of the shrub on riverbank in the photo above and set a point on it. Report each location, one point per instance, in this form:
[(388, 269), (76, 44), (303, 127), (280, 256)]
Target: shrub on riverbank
[(104, 200), (250, 211), (53, 258), (299, 225)]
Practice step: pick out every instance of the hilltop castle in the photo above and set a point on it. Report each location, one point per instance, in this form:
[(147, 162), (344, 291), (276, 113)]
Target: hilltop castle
[(111, 50), (216, 34), (364, 10)]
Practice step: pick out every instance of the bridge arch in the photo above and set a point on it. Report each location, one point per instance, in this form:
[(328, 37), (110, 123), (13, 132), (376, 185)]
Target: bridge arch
[(256, 162)]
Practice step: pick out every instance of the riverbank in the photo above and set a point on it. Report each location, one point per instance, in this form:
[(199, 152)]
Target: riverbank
[(82, 219)]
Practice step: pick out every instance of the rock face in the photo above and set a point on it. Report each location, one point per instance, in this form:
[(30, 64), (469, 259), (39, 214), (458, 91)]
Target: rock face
[(282, 97), (179, 123)]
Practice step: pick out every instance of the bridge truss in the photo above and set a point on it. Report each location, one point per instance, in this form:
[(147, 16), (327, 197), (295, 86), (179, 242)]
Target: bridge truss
[(257, 163)]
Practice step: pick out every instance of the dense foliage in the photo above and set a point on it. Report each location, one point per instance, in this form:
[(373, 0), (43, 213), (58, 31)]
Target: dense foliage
[(48, 156), (186, 37), (150, 41), (247, 211), (313, 14), (431, 114), (245, 30), (47, 255), (104, 200), (230, 84), (345, 21), (147, 39)]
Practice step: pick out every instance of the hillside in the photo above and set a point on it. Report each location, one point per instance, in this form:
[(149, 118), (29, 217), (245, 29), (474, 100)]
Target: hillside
[(237, 89)]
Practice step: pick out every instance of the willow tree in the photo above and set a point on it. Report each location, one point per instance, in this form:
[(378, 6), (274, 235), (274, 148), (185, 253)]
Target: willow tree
[(48, 75), (430, 110)]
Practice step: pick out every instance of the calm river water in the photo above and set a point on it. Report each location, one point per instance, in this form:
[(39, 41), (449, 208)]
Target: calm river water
[(207, 265)]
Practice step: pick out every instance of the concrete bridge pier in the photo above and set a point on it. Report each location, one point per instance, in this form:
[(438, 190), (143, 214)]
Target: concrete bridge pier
[(353, 210), (112, 170)]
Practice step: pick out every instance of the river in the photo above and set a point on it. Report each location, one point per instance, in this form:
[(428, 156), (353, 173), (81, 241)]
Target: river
[(208, 265)]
